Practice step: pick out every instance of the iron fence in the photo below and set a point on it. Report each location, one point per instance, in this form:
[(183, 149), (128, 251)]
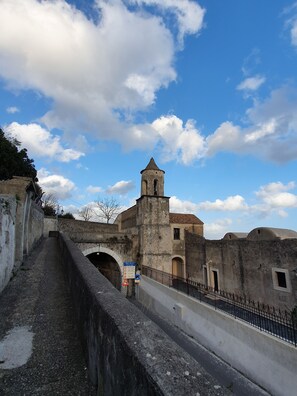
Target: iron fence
[(282, 324)]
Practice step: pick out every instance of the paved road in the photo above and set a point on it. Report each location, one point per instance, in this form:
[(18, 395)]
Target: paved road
[(221, 371), (40, 353)]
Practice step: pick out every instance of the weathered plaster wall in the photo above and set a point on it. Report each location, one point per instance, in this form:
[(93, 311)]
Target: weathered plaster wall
[(155, 242), (27, 226), (50, 224), (34, 225), (70, 225), (126, 353), (7, 238), (245, 267), (266, 360)]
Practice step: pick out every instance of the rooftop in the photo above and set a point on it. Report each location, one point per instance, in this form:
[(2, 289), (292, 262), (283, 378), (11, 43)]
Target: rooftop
[(184, 218)]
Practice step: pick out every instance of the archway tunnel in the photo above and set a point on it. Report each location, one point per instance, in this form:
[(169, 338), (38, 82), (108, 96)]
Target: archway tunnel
[(108, 267)]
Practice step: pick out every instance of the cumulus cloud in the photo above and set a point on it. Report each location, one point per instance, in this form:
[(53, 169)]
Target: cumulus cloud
[(41, 143), (178, 141), (251, 83), (12, 110), (189, 14), (217, 229), (276, 195), (233, 203), (53, 48), (94, 189), (179, 206), (271, 133), (57, 185), (121, 187)]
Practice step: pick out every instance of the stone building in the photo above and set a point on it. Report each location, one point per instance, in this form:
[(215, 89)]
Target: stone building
[(161, 234), (260, 265)]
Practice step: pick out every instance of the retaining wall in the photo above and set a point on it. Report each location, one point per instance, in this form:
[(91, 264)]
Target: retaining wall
[(126, 353), (7, 238), (266, 360), (21, 225)]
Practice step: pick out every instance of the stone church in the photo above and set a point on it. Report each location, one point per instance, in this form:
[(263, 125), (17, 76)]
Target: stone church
[(260, 265), (161, 234)]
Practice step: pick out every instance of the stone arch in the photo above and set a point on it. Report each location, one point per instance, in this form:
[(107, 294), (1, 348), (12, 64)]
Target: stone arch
[(178, 265), (101, 249)]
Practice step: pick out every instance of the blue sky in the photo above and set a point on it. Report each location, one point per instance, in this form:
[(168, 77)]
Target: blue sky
[(93, 90)]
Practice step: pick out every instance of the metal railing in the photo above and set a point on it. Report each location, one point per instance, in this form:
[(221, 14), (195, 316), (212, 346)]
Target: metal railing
[(282, 324)]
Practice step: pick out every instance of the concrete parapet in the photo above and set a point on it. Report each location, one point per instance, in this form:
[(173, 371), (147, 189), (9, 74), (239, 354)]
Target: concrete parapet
[(126, 353), (265, 359)]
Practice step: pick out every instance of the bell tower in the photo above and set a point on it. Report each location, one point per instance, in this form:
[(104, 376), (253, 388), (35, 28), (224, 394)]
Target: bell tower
[(155, 245), (152, 180)]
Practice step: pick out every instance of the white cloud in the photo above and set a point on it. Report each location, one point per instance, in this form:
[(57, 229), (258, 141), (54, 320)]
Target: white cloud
[(291, 22), (41, 143), (94, 189), (57, 185), (179, 206), (251, 83), (53, 48), (227, 137), (276, 195), (177, 141), (272, 130), (121, 187), (232, 203), (12, 110), (189, 14), (217, 229)]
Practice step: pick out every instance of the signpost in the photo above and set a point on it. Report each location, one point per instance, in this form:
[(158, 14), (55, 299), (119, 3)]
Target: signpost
[(129, 272)]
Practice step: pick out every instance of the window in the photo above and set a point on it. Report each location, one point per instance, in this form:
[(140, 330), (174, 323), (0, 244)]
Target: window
[(176, 233), (281, 279), (155, 187)]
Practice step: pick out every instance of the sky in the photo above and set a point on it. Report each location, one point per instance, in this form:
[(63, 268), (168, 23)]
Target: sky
[(94, 89)]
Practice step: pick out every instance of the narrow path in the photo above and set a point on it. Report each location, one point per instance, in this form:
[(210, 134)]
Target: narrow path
[(40, 352), (221, 371)]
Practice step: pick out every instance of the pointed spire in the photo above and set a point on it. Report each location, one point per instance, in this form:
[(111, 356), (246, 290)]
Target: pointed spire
[(152, 166)]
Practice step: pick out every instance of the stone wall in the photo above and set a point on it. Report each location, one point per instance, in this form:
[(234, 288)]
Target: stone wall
[(79, 226), (22, 225), (126, 353), (50, 224), (7, 238), (246, 267)]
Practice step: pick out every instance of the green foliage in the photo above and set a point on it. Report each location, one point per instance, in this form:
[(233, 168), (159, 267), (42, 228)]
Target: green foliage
[(67, 215), (14, 162)]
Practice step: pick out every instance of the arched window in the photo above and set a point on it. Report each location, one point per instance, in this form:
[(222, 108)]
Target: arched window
[(155, 187)]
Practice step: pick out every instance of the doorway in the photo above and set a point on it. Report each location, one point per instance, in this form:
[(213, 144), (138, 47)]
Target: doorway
[(215, 279)]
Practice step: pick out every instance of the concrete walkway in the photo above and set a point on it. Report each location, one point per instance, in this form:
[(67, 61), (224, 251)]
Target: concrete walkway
[(40, 353)]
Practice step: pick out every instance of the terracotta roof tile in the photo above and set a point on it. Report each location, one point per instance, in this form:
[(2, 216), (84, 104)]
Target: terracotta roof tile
[(184, 218)]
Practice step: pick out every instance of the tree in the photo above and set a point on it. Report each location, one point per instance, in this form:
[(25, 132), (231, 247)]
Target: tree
[(67, 215), (108, 208), (49, 205), (13, 161), (86, 212)]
